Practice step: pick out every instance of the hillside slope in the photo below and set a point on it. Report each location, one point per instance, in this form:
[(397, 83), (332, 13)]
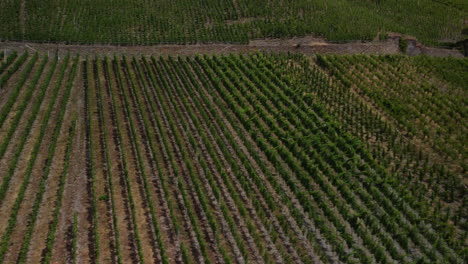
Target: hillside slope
[(132, 22), (232, 159)]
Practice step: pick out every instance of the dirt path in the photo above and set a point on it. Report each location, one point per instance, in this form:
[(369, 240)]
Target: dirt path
[(306, 45), (237, 7), (22, 16)]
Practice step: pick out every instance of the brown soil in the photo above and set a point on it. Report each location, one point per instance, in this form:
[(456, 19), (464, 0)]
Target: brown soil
[(242, 20), (4, 93), (308, 45), (126, 223), (23, 16), (19, 131), (33, 186), (18, 176), (104, 220), (42, 225), (143, 219), (74, 197)]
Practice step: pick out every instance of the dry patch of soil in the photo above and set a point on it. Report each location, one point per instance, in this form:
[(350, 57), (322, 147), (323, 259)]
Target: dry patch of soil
[(308, 45)]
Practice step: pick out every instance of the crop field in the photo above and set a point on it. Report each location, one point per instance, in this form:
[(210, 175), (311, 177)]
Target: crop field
[(134, 22), (260, 158)]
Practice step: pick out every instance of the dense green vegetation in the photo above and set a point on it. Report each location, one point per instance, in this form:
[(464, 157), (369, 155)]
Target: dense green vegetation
[(236, 21), (231, 159), (411, 92), (412, 114)]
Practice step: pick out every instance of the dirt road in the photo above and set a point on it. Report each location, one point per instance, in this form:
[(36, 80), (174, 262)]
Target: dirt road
[(305, 45)]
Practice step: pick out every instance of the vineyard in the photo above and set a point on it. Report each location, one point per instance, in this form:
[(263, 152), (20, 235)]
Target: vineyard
[(143, 22), (232, 159)]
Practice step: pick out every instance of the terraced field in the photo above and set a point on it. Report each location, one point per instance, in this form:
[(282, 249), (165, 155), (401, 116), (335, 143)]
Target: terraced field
[(232, 159)]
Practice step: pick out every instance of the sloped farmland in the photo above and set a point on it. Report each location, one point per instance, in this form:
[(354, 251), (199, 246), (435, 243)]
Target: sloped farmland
[(226, 159)]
